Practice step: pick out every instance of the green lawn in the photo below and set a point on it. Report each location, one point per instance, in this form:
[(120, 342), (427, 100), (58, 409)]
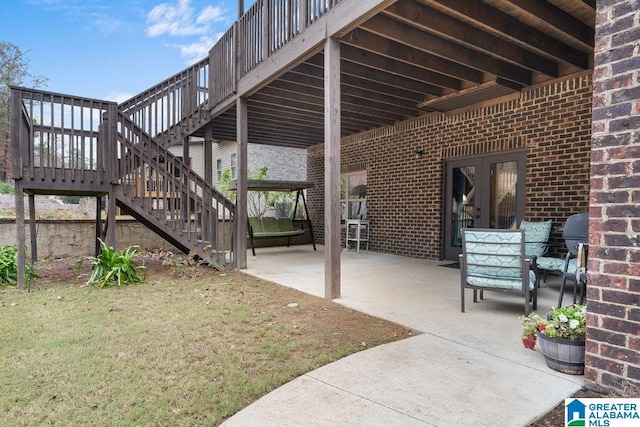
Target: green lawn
[(174, 350)]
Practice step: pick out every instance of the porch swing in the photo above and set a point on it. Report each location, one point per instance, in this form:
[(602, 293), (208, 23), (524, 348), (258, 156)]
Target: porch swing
[(281, 227)]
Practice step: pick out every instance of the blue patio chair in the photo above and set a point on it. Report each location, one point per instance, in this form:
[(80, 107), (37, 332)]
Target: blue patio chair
[(495, 260), (536, 236)]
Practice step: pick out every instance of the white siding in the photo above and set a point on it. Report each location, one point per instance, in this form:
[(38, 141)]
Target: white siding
[(283, 163)]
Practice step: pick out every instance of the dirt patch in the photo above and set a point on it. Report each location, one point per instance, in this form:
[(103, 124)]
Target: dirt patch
[(49, 207)]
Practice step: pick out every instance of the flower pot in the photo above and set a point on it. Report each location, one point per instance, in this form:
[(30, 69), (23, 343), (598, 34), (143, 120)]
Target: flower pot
[(566, 356)]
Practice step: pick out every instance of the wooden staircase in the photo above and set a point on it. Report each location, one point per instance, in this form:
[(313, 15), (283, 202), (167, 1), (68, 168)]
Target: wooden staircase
[(78, 146), (162, 192)]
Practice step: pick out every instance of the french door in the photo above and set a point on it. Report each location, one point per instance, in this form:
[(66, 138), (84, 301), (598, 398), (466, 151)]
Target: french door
[(486, 191)]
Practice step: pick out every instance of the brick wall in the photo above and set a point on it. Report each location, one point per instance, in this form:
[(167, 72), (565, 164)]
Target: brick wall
[(404, 194), (613, 296)]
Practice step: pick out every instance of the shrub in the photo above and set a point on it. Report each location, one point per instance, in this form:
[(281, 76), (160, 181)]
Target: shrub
[(113, 267), (70, 200), (6, 188), (9, 267)]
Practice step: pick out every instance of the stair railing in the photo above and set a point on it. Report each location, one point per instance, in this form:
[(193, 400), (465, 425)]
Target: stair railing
[(173, 196), (174, 108), (59, 138)]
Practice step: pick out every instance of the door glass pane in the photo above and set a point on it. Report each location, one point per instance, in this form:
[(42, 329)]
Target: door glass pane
[(357, 195), (504, 180), (462, 201)]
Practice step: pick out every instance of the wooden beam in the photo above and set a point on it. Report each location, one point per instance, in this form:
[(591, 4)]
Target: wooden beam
[(241, 197), (349, 104), (450, 28), (342, 18), (493, 19), (373, 60), (364, 82), (393, 49), (333, 246), (33, 230), (208, 153), (99, 230), (20, 235), (559, 19), (111, 218), (413, 37), (311, 83)]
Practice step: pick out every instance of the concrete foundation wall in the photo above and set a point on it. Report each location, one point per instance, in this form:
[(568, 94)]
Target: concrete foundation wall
[(76, 238)]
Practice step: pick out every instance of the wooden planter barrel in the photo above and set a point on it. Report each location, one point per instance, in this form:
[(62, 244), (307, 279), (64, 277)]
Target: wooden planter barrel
[(566, 356)]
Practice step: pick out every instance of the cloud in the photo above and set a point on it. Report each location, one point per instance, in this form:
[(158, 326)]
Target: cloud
[(197, 50), (119, 96), (104, 24), (211, 14), (180, 19), (176, 20)]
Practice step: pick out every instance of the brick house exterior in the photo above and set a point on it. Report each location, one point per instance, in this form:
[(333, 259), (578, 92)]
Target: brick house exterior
[(582, 142), (552, 122), (613, 297)]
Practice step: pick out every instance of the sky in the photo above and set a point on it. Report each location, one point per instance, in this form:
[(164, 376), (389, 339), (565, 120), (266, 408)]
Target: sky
[(113, 49)]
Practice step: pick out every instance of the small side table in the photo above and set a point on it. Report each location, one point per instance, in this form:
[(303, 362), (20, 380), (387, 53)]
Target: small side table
[(359, 234)]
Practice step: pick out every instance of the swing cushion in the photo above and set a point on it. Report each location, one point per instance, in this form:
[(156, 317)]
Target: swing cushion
[(272, 227)]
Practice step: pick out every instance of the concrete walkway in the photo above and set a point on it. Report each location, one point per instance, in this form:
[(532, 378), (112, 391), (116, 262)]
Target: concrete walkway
[(464, 369)]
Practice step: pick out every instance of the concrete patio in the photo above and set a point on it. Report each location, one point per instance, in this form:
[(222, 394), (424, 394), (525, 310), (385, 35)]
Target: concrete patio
[(464, 369)]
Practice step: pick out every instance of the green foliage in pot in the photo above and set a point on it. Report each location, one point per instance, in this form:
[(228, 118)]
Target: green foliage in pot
[(565, 322), (113, 267)]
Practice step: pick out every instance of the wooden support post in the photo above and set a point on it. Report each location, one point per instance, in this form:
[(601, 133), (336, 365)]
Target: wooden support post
[(210, 222), (241, 193), (111, 218), (99, 231), (33, 231), (332, 168), (20, 235)]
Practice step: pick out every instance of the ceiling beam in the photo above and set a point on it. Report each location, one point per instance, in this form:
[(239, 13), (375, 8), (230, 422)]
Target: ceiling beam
[(492, 19), (557, 18), (373, 60), (452, 29), (410, 36), (392, 49)]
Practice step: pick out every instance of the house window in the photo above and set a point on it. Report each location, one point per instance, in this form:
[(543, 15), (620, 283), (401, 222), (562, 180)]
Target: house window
[(234, 164), (353, 196), (219, 169)]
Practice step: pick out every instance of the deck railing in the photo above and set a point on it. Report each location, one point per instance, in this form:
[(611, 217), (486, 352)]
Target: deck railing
[(171, 108), (166, 188), (264, 29), (59, 137)]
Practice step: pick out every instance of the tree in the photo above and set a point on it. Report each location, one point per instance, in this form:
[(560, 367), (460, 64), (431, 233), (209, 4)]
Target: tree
[(14, 70), (258, 201)]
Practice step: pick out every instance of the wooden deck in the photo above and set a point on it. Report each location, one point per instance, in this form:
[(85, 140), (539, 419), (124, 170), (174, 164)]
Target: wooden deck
[(66, 145)]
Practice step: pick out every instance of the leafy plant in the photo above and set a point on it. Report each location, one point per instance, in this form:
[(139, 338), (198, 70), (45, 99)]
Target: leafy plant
[(565, 322), (9, 267), (113, 267), (6, 188), (259, 200)]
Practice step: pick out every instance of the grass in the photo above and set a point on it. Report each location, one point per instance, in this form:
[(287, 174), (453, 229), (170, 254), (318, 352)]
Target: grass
[(175, 350)]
